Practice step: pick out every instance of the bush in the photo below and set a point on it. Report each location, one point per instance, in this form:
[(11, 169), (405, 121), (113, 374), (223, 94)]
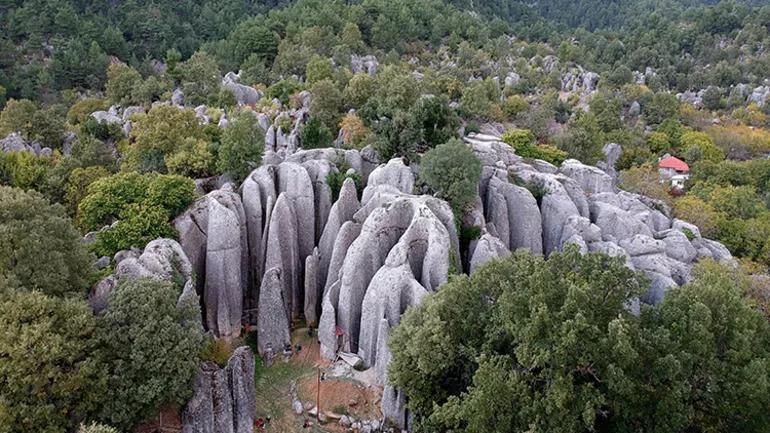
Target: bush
[(39, 248), (49, 379), (77, 185), (138, 224), (243, 144), (151, 348), (314, 134), (699, 146), (143, 203), (89, 151), (283, 89), (161, 133), (335, 179), (453, 172), (96, 428), (523, 143), (81, 110)]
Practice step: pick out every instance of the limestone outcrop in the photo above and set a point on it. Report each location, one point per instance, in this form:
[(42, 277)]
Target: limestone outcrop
[(224, 399)]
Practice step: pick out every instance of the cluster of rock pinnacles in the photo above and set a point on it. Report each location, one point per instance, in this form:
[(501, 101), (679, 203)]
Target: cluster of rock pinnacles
[(278, 249)]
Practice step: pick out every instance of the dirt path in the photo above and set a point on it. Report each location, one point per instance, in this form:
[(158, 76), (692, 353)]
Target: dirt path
[(343, 391)]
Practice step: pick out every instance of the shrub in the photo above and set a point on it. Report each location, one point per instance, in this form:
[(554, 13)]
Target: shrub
[(81, 110), (49, 378), (243, 144), (151, 348), (283, 89), (77, 185), (138, 224), (314, 134), (162, 132), (453, 172), (96, 428), (39, 248), (699, 146), (523, 143), (143, 204)]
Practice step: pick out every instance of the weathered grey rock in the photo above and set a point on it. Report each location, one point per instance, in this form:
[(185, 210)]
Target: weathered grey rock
[(244, 95), (684, 227), (223, 273), (366, 64), (616, 223), (198, 414), (318, 171), (341, 211), (679, 247), (240, 372), (591, 179), (13, 142), (161, 259), (283, 253), (659, 285), (415, 219), (487, 248), (639, 245), (555, 209), (177, 98), (717, 251), (394, 173), (515, 215), (294, 181), (394, 406), (273, 322), (224, 400), (312, 288), (223, 292)]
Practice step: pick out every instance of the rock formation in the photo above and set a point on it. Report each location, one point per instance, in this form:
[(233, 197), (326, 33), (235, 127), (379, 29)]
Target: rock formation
[(224, 399)]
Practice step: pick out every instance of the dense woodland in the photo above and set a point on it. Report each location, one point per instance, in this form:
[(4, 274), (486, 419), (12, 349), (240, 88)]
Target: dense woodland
[(558, 78)]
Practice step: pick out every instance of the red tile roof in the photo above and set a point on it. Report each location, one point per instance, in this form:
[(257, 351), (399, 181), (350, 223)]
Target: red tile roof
[(675, 163)]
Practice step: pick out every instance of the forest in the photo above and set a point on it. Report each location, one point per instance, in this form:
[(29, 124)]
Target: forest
[(151, 152)]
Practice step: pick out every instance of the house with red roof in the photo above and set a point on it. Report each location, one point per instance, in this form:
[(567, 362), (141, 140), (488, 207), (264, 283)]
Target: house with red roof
[(673, 170)]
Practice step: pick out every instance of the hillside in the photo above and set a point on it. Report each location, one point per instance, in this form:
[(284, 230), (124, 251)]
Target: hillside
[(435, 216)]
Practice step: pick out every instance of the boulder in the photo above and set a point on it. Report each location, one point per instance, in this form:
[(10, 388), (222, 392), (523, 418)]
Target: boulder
[(591, 179), (487, 248)]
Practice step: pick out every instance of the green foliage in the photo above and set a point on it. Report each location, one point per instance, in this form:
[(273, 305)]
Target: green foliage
[(122, 82), (142, 205), (453, 172), (49, 380), (89, 151), (523, 143), (252, 37), (216, 350), (39, 248), (200, 78), (699, 146), (502, 360), (160, 135), (96, 428), (318, 69), (242, 146), (326, 103), (283, 90), (137, 225), (43, 125), (77, 185), (662, 106), (151, 348), (584, 139), (478, 98), (314, 134), (335, 179), (80, 111), (548, 346)]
